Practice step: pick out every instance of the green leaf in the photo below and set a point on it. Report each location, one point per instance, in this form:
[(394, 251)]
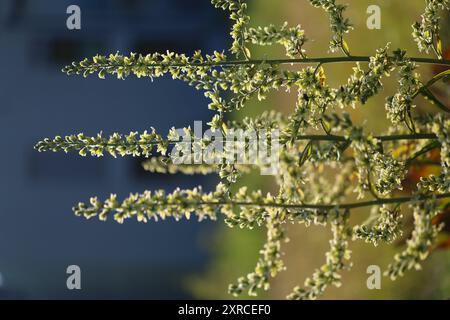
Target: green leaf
[(306, 154), (247, 53), (409, 121), (101, 74), (326, 126), (345, 47), (439, 46)]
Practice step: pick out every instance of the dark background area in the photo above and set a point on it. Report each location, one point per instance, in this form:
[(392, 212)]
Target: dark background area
[(39, 235)]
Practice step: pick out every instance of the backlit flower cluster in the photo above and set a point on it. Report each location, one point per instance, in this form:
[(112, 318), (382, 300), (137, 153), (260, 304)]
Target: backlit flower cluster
[(339, 24), (325, 158), (426, 32)]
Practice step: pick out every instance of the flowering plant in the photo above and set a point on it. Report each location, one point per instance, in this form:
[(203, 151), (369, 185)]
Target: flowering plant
[(317, 134)]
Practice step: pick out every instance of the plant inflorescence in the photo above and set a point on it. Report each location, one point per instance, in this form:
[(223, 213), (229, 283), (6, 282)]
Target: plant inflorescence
[(315, 135)]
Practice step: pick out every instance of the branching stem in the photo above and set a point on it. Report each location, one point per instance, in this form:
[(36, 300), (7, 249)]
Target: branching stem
[(312, 137), (345, 206), (321, 60)]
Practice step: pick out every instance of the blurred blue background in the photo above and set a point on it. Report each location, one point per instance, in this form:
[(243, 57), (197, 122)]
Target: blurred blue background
[(39, 235)]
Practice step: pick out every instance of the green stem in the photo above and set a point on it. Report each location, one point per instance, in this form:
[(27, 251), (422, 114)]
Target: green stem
[(345, 206), (325, 137), (327, 60), (329, 137), (436, 78), (424, 150), (432, 98), (322, 60)]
